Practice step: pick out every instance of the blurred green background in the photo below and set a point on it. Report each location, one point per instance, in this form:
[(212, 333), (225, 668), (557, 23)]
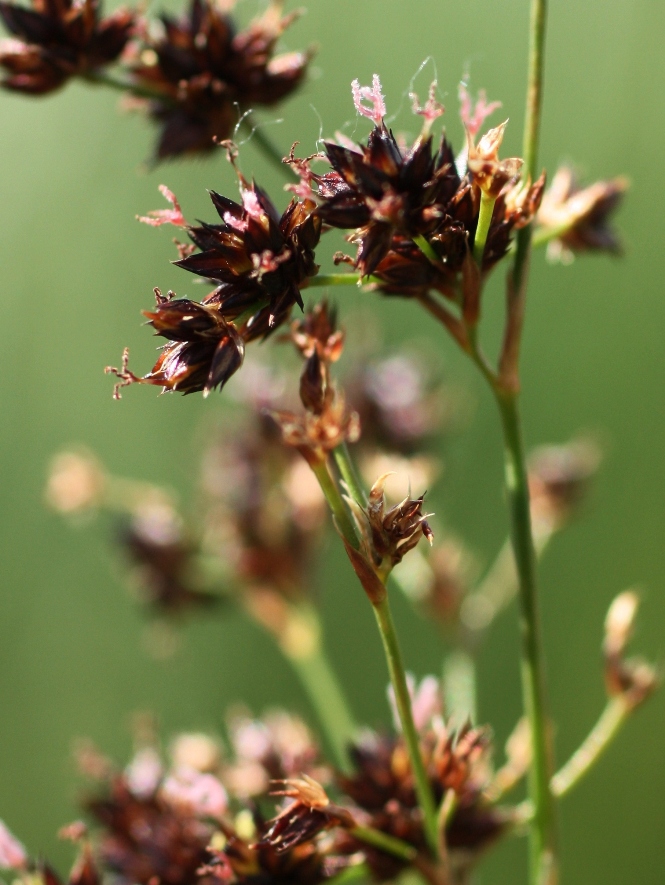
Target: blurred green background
[(76, 269)]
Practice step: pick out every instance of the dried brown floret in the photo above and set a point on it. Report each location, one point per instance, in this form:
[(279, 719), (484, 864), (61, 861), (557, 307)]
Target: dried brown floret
[(59, 39), (206, 74)]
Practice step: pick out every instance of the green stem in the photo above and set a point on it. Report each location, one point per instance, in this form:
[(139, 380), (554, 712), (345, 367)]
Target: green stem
[(597, 741), (386, 843), (301, 644), (336, 503), (269, 150), (121, 84), (427, 249), (349, 473), (484, 220), (395, 662), (542, 832), (339, 279), (534, 106)]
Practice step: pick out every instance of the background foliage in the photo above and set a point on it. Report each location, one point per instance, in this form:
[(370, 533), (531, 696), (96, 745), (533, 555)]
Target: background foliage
[(76, 269)]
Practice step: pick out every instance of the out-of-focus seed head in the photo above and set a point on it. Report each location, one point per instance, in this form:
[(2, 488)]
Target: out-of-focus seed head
[(164, 561), (76, 482), (632, 679), (205, 73), (59, 39), (559, 480), (578, 219), (196, 751)]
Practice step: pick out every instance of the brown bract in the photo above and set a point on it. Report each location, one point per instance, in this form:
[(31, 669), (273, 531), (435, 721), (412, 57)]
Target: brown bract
[(309, 814), (316, 433), (209, 74), (384, 191), (580, 217), (259, 258), (59, 39)]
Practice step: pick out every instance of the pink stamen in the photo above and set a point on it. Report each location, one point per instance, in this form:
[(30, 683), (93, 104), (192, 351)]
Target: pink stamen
[(474, 118), (377, 110), (165, 216)]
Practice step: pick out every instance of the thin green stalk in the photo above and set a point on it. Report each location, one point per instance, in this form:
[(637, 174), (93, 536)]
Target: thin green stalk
[(391, 647), (484, 220), (427, 249), (265, 145), (339, 279), (121, 84), (349, 473), (336, 503), (534, 107), (387, 843), (542, 832), (597, 741), (327, 699)]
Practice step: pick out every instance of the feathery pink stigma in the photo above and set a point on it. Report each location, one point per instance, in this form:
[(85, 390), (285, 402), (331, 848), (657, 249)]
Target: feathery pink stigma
[(431, 109), (377, 110), (165, 216), (473, 118)]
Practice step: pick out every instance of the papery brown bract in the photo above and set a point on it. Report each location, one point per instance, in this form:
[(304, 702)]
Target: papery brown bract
[(580, 217), (259, 259), (209, 74), (59, 39)]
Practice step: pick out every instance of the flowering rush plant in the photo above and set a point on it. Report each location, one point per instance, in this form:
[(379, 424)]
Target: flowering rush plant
[(289, 801)]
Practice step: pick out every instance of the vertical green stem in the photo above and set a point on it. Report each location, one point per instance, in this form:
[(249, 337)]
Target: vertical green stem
[(542, 832), (484, 220), (349, 473), (391, 647), (327, 699), (335, 502)]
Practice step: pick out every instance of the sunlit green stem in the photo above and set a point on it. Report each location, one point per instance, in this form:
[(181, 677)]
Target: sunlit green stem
[(335, 502), (301, 644), (270, 151), (339, 279), (349, 473), (427, 249), (484, 220), (542, 832), (395, 662), (597, 741), (387, 843), (125, 85)]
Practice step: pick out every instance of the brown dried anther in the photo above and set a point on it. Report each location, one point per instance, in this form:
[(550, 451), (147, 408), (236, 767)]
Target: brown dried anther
[(578, 218), (59, 39), (208, 74)]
